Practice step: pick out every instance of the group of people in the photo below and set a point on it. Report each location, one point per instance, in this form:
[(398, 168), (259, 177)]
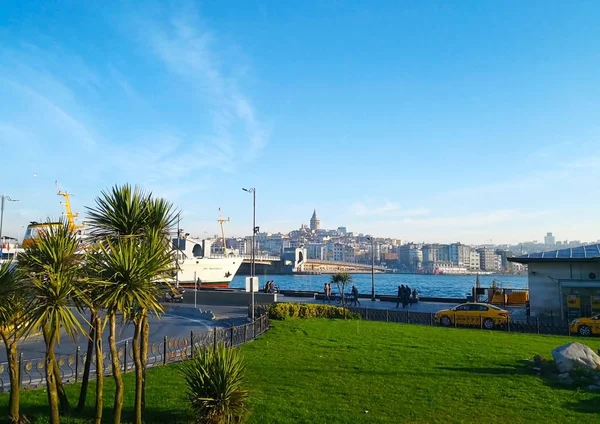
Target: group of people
[(404, 295), (353, 298), (269, 287)]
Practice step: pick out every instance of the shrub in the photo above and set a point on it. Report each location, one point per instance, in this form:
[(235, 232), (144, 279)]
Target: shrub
[(282, 311), (214, 380)]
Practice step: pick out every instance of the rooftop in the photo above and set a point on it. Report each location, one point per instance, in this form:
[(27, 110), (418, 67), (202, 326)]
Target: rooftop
[(581, 253)]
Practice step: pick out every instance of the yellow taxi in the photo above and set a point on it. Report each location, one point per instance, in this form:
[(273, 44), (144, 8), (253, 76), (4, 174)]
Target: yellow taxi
[(586, 326), (474, 314)]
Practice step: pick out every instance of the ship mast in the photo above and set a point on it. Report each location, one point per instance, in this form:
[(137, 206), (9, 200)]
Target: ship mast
[(221, 221), (69, 213)]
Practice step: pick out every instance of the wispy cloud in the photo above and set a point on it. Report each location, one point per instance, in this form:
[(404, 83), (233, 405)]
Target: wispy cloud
[(192, 53), (473, 219), (363, 209)]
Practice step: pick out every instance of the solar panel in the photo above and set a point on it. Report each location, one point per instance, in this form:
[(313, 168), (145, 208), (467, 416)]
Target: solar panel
[(578, 252), (592, 251)]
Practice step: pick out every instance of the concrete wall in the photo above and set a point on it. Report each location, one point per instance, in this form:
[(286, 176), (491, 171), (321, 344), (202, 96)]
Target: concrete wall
[(544, 290)]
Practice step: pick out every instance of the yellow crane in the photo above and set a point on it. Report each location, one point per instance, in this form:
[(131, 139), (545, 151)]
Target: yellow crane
[(68, 212)]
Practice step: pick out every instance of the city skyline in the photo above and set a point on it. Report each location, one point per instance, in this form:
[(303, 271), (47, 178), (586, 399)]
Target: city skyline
[(427, 122)]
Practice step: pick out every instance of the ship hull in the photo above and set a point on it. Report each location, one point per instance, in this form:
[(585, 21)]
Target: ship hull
[(212, 272)]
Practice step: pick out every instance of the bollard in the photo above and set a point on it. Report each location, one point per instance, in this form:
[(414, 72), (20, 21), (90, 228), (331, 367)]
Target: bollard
[(408, 316), (454, 319), (537, 324), (508, 323), (387, 315), (77, 364), (245, 332), (431, 318), (192, 342), (165, 351), (215, 339), (481, 321), (232, 330), (125, 356)]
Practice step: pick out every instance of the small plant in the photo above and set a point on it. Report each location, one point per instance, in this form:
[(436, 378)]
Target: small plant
[(214, 380)]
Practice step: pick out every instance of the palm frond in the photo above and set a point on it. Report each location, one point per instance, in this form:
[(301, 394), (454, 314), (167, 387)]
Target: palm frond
[(55, 272)]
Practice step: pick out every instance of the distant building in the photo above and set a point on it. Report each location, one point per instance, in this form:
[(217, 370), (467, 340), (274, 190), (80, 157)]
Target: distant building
[(316, 251), (474, 261), (435, 253), (315, 223), (549, 240), (459, 254), (342, 230), (489, 260)]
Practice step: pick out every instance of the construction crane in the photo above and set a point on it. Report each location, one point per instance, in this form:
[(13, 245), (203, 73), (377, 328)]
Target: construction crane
[(221, 221), (68, 212)]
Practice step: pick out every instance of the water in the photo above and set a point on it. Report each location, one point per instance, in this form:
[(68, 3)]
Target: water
[(427, 285)]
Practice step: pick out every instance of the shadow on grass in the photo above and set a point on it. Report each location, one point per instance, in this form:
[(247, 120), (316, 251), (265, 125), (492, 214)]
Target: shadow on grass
[(39, 413), (549, 377)]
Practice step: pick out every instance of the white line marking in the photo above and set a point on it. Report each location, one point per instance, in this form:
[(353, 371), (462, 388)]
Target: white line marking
[(201, 322)]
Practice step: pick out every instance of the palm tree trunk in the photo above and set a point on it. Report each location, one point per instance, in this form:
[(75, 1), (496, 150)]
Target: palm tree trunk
[(99, 368), (13, 373), (144, 356), (53, 402), (63, 400), (116, 369), (137, 410), (85, 379)]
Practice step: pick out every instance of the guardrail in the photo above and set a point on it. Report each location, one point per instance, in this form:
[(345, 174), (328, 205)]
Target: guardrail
[(32, 371)]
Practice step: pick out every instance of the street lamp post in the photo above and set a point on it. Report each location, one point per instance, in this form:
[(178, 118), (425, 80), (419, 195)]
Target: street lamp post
[(2, 201), (253, 263), (372, 270)]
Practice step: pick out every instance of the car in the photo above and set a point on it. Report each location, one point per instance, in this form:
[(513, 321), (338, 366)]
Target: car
[(474, 314), (586, 327)]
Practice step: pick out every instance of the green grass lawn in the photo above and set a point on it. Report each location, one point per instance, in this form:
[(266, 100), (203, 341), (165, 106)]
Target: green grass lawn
[(328, 371)]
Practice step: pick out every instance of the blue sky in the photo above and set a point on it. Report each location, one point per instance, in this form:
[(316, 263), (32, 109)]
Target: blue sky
[(420, 120)]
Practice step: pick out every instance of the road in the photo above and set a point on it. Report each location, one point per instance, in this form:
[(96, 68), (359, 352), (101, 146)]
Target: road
[(178, 322)]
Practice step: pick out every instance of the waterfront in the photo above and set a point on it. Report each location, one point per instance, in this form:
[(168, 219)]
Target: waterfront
[(427, 285)]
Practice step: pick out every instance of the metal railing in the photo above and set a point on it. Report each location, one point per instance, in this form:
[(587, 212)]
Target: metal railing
[(517, 321), (33, 371)]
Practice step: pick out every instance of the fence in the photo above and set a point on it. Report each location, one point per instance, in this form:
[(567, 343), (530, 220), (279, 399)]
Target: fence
[(546, 325), (32, 371)]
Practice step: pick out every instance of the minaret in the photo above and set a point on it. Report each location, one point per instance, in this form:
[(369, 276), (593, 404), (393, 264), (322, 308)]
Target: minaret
[(315, 223)]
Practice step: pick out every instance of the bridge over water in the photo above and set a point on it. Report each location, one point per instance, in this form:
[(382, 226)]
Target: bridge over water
[(300, 265)]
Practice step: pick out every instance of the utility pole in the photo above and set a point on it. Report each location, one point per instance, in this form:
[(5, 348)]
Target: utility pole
[(372, 269), (3, 198), (253, 260)]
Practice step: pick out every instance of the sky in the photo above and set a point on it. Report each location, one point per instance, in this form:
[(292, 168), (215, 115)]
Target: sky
[(421, 120)]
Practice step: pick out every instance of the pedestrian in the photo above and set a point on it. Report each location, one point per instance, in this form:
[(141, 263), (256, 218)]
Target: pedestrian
[(325, 292), (400, 294), (355, 294), (329, 292)]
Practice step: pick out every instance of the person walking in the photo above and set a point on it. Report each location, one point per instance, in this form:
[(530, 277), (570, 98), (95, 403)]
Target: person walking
[(400, 294), (355, 293)]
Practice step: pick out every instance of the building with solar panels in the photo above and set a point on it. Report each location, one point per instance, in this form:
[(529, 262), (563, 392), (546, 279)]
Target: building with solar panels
[(564, 282)]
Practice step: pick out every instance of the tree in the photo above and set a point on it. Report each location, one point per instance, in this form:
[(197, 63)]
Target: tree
[(132, 229), (54, 269), (342, 280), (12, 313), (91, 301)]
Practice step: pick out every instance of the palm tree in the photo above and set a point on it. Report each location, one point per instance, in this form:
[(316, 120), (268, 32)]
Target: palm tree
[(342, 280), (92, 302), (131, 266), (132, 229), (54, 268), (12, 312)]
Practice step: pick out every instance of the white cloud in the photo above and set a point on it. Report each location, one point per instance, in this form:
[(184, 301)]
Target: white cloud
[(387, 208)]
